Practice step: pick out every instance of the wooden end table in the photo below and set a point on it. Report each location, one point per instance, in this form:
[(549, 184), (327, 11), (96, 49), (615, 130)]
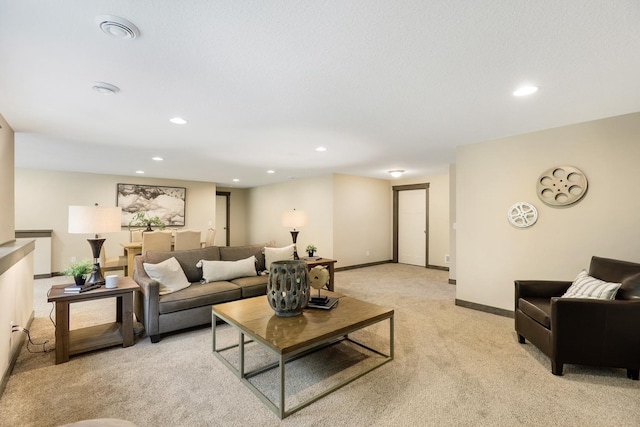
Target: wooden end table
[(82, 340), (325, 262)]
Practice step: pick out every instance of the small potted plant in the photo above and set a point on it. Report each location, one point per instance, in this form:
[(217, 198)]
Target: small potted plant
[(140, 219), (79, 270), (311, 249)]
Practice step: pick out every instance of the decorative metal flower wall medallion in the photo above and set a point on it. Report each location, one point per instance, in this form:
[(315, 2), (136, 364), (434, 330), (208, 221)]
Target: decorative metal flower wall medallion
[(561, 185), (522, 214)]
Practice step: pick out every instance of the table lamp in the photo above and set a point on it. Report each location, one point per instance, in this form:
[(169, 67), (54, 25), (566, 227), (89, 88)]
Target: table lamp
[(94, 220), (293, 219)]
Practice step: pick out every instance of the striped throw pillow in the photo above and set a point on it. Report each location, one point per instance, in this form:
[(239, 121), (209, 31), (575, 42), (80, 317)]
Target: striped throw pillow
[(586, 286)]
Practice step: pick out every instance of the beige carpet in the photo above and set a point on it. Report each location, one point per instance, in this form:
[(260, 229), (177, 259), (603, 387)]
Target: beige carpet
[(453, 366)]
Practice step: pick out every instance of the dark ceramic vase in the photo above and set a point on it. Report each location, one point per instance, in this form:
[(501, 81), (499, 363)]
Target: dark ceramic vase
[(288, 287)]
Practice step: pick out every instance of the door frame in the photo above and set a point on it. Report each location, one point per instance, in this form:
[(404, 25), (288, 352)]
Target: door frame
[(396, 196), (227, 195)]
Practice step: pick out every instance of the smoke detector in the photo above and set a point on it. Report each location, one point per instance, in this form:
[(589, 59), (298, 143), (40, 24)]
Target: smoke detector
[(117, 27)]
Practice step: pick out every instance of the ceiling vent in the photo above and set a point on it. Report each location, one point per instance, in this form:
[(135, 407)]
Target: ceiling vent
[(117, 27)]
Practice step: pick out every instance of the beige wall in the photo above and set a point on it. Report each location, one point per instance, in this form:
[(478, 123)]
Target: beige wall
[(438, 215), (347, 216), (265, 205), (492, 176), (7, 213), (43, 199), (16, 280), (361, 220), (452, 222)]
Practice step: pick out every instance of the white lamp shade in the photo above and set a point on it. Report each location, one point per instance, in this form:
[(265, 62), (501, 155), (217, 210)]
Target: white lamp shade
[(294, 219), (94, 219)]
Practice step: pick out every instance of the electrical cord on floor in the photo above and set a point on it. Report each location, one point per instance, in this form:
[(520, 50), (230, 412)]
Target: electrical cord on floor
[(51, 312), (18, 328)]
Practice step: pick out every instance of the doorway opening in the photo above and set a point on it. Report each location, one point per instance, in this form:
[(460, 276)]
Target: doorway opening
[(411, 224)]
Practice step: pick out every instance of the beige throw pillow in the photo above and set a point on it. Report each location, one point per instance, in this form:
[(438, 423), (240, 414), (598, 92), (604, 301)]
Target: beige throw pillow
[(277, 254), (586, 286), (169, 274), (216, 271)]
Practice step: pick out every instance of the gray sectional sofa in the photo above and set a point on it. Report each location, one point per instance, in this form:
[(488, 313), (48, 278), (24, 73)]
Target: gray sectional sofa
[(192, 306)]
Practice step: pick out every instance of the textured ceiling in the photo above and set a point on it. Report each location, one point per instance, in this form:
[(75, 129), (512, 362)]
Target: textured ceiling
[(381, 84)]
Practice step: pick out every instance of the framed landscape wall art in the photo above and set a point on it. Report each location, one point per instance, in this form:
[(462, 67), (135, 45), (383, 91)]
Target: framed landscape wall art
[(167, 203)]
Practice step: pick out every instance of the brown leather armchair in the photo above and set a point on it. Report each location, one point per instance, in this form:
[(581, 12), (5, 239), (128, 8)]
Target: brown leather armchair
[(583, 331)]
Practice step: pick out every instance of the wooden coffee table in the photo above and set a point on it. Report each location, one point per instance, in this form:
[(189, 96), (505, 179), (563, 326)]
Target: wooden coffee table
[(70, 342), (254, 318)]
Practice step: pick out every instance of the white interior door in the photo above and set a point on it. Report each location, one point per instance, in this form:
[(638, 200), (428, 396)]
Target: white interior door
[(412, 223), (221, 221)]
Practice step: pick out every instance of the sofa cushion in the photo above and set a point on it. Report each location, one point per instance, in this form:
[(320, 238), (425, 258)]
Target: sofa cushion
[(586, 286), (252, 286), (215, 271), (168, 274), (277, 254), (630, 288), (234, 253), (199, 295), (187, 259), (539, 309)]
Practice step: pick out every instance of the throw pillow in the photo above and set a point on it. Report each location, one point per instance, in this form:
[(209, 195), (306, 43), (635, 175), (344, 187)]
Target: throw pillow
[(586, 286), (216, 271), (169, 274), (277, 254)]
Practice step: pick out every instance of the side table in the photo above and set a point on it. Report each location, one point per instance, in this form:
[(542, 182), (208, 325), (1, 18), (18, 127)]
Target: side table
[(82, 340), (325, 262)]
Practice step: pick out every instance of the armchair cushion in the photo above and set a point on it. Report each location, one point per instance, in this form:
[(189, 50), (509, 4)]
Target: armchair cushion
[(586, 286), (539, 309)]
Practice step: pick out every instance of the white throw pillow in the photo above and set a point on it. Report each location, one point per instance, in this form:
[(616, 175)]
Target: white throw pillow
[(169, 274), (586, 286), (277, 254), (215, 271)]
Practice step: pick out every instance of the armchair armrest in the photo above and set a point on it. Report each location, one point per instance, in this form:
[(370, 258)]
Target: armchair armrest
[(539, 289), (591, 331)]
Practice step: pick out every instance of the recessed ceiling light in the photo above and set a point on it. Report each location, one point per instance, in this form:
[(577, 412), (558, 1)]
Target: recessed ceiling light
[(178, 121), (105, 88), (525, 90), (271, 171), (115, 26), (157, 159), (236, 180), (396, 173), (321, 149), (140, 172)]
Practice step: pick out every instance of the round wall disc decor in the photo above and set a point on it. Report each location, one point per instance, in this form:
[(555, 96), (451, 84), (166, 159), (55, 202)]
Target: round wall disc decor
[(523, 214), (561, 185)]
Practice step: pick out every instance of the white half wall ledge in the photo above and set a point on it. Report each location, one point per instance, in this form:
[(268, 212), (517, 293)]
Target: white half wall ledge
[(12, 252)]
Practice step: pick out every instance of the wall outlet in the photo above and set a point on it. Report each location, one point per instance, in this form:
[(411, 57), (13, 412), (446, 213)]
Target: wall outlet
[(73, 259), (367, 253), (447, 259), (12, 324)]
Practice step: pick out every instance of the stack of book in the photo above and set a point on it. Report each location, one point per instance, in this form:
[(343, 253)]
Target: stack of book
[(75, 289), (324, 303)]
